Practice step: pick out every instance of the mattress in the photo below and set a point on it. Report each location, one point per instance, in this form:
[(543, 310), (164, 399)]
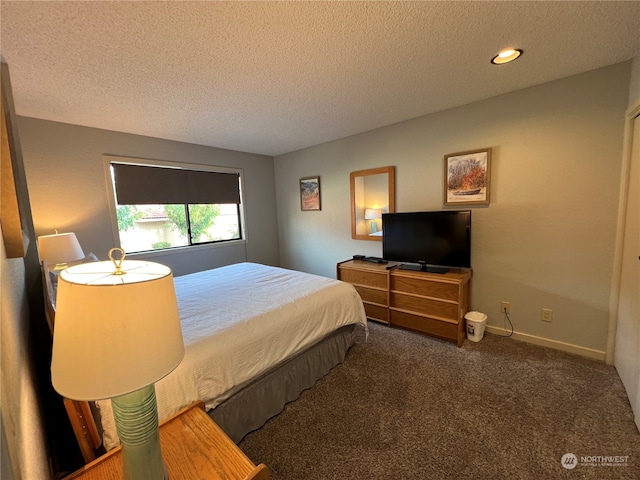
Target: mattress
[(240, 321)]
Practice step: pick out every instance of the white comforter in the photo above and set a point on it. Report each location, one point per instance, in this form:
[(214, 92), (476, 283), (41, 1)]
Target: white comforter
[(238, 322)]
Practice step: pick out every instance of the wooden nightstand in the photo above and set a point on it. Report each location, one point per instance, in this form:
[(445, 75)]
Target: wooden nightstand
[(193, 447)]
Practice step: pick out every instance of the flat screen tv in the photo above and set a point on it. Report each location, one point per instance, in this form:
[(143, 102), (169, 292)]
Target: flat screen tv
[(428, 241)]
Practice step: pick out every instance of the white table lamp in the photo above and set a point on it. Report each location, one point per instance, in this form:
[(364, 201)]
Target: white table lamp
[(59, 248), (117, 331), (373, 214)]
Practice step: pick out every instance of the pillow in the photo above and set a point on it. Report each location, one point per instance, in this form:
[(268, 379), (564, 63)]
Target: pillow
[(110, 438), (90, 257), (53, 275)]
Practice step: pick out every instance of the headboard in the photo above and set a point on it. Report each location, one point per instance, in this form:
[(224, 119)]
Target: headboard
[(80, 413)]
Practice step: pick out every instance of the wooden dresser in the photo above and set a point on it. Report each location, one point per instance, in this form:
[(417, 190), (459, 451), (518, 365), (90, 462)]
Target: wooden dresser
[(430, 303)]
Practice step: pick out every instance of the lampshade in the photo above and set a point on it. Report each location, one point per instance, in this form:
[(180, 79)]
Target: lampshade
[(115, 332), (372, 213), (59, 248)]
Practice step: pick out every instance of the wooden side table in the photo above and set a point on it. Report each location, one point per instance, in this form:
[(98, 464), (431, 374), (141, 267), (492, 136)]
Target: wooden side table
[(193, 447)]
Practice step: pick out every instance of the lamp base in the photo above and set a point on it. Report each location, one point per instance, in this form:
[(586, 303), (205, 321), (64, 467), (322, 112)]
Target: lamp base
[(136, 418)]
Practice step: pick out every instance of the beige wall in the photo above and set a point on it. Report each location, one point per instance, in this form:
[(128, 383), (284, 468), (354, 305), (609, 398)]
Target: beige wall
[(547, 239), (66, 179)]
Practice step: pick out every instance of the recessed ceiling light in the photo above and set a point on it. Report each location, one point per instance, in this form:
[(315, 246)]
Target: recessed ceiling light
[(506, 56)]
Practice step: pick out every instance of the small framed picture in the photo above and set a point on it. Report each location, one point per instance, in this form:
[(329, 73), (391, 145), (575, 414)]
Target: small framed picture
[(467, 177), (310, 193)]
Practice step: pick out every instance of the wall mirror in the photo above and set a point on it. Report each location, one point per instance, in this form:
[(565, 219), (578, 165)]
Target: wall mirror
[(372, 194)]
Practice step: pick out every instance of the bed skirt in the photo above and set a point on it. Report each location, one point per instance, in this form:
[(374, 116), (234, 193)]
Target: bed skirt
[(266, 396)]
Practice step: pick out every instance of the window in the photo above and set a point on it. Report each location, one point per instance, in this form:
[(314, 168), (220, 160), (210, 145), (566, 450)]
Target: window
[(160, 207)]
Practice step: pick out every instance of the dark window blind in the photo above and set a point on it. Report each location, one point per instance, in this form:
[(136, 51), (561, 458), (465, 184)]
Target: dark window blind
[(141, 185)]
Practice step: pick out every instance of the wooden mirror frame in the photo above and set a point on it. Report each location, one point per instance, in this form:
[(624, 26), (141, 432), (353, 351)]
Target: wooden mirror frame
[(391, 189)]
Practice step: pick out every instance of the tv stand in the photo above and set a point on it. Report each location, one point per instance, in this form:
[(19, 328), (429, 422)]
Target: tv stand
[(423, 267), (433, 304)]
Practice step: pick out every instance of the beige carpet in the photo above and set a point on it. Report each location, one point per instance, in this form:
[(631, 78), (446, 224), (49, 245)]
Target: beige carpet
[(404, 405)]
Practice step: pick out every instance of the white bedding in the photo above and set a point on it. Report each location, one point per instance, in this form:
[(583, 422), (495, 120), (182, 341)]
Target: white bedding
[(238, 322)]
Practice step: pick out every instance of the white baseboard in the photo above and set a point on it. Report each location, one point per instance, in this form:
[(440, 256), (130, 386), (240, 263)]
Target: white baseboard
[(545, 342)]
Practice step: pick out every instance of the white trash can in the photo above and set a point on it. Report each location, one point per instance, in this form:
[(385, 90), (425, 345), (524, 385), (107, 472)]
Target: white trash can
[(476, 322)]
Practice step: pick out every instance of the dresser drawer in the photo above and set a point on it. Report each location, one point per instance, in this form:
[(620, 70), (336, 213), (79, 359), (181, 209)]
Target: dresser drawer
[(375, 312), (364, 277), (425, 306), (425, 287), (426, 325), (373, 295)]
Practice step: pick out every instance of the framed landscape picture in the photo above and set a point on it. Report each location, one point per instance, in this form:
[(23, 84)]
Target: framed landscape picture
[(310, 193), (467, 177)]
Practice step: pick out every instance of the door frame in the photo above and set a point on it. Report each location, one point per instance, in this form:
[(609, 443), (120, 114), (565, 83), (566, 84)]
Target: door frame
[(625, 177)]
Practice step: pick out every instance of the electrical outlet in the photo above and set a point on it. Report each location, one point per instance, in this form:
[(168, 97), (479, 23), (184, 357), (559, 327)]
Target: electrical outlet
[(546, 315), (505, 307)]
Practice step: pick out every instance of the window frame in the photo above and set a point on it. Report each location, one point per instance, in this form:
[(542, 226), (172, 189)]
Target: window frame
[(111, 196)]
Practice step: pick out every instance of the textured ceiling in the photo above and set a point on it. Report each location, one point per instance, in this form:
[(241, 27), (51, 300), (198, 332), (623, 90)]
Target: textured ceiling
[(274, 77)]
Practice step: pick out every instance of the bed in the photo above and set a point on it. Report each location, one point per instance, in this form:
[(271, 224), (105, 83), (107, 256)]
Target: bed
[(255, 337)]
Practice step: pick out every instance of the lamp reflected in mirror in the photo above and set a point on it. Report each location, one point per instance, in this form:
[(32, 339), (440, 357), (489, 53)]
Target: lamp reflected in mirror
[(59, 249), (373, 214)]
